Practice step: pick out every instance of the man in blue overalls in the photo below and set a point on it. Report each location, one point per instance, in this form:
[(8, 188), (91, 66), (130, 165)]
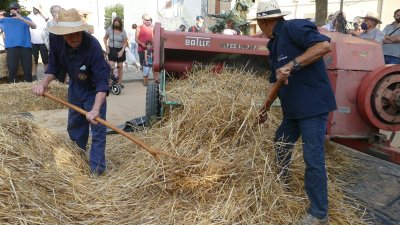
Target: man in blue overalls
[(80, 54), (296, 49)]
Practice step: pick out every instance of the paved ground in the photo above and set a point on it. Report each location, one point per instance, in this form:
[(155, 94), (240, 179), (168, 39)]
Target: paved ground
[(129, 104)]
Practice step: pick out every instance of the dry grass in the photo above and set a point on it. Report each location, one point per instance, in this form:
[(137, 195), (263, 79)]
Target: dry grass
[(19, 97), (45, 180)]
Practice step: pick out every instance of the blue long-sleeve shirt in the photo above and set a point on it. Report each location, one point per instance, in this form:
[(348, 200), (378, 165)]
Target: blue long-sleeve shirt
[(87, 69), (309, 92)]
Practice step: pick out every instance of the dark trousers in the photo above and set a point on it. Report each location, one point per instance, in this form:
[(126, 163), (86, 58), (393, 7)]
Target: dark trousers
[(78, 130), (141, 57), (391, 59), (14, 55), (44, 53), (312, 131)]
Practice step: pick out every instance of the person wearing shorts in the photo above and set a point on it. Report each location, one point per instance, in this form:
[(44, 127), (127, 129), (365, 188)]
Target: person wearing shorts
[(148, 62), (116, 40)]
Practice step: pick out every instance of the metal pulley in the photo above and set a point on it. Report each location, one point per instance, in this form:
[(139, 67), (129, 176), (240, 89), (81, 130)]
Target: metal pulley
[(379, 98)]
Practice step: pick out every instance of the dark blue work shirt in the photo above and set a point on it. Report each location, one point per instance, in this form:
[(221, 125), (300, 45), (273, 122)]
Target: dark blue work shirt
[(309, 92), (87, 69)]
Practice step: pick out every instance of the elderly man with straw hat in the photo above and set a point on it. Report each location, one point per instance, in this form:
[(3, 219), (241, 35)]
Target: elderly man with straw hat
[(370, 32), (80, 54), (296, 50)]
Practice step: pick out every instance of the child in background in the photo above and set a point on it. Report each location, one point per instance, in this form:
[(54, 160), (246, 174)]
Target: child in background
[(148, 62)]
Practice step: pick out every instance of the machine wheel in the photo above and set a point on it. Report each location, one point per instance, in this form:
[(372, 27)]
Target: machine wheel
[(379, 98), (153, 104), (386, 99), (115, 89)]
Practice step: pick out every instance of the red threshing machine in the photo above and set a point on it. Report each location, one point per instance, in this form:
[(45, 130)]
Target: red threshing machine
[(367, 91)]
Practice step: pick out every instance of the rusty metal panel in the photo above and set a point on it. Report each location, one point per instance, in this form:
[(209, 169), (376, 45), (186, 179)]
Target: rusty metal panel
[(218, 43), (346, 121), (353, 53)]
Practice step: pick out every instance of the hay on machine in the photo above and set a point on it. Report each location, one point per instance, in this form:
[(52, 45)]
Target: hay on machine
[(44, 178)]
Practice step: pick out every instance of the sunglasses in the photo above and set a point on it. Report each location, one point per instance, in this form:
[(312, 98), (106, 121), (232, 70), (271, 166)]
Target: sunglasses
[(15, 8)]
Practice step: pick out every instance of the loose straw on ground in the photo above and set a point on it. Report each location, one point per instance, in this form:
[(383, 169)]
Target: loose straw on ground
[(44, 178)]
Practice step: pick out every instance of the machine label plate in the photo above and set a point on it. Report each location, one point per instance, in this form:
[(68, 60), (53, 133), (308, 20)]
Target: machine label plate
[(239, 46), (197, 41)]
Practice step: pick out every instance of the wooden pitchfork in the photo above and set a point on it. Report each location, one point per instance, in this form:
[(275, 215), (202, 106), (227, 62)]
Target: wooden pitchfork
[(268, 102), (153, 152)]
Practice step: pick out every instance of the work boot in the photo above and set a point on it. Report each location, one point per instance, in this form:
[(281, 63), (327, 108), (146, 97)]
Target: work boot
[(309, 219)]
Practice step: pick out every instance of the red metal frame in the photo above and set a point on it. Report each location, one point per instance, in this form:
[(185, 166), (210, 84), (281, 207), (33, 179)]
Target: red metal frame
[(356, 69), (187, 47)]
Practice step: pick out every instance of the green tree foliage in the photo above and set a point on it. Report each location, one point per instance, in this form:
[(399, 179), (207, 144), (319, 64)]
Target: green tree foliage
[(4, 4), (118, 8), (238, 14)]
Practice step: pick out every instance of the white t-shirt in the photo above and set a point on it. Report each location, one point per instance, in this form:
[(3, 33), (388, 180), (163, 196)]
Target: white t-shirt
[(132, 36), (37, 34)]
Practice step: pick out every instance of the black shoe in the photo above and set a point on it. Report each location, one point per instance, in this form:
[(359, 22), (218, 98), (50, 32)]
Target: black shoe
[(34, 77), (122, 86)]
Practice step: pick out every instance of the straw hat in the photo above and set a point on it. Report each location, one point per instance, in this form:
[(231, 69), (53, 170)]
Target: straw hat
[(38, 7), (69, 21), (268, 9), (373, 16), (145, 17)]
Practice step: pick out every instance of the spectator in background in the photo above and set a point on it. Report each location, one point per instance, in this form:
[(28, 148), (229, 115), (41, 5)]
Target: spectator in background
[(116, 40), (329, 23), (54, 13), (54, 9), (370, 32), (2, 12), (133, 47), (38, 39), (148, 62), (229, 28), (340, 22), (336, 22), (391, 41), (18, 42), (143, 33), (356, 26), (182, 28), (199, 26)]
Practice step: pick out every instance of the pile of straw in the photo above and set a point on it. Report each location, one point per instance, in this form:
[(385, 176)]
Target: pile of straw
[(44, 179), (19, 97)]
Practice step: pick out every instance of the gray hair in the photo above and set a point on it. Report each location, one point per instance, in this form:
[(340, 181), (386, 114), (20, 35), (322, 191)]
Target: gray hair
[(54, 10)]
